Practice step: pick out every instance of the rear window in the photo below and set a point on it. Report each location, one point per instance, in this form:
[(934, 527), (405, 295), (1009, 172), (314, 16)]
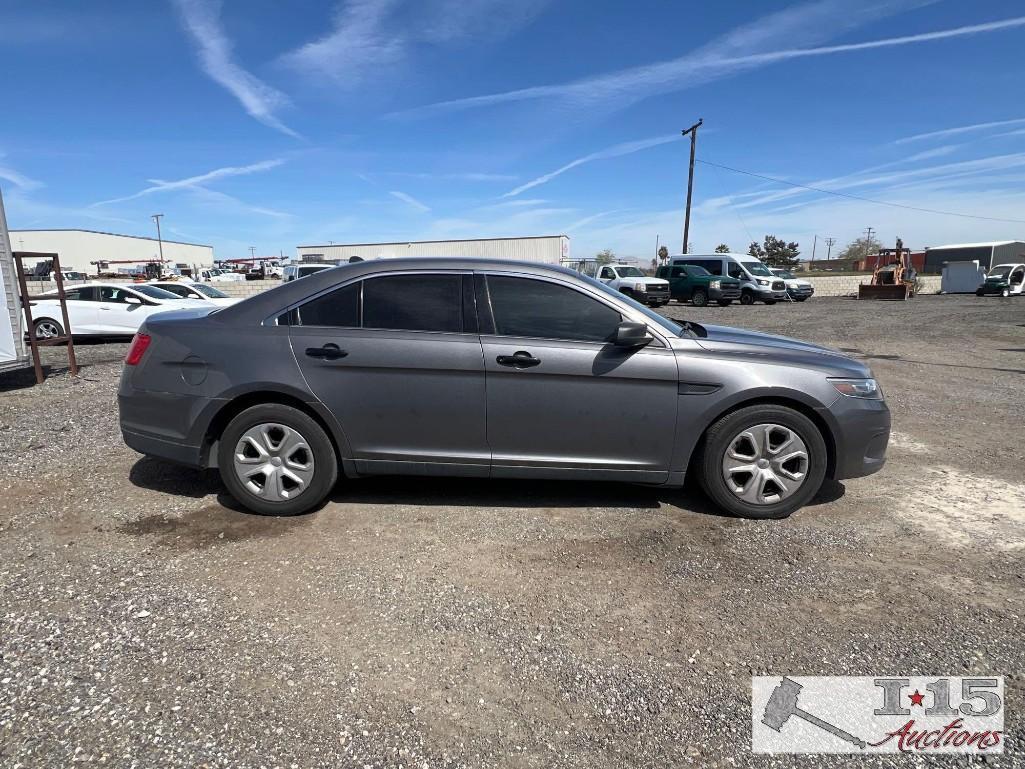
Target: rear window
[(414, 303)]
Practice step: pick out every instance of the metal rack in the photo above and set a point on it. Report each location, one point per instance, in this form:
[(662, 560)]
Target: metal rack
[(33, 342)]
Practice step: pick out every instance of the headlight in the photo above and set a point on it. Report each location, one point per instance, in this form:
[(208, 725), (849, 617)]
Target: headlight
[(715, 284), (762, 282), (858, 388), (641, 287)]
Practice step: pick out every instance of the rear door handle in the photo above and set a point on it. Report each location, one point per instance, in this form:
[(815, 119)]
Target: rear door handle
[(519, 359), (327, 352)]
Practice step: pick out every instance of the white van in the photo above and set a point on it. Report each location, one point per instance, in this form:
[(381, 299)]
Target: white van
[(757, 283), (295, 271)]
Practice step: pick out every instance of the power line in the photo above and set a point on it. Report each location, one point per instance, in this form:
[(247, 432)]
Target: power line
[(858, 197)]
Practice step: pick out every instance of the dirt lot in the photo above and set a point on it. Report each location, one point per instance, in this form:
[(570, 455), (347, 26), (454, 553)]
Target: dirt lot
[(145, 621)]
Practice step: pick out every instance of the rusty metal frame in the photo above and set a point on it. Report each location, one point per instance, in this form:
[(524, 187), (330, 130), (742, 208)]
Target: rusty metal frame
[(34, 343)]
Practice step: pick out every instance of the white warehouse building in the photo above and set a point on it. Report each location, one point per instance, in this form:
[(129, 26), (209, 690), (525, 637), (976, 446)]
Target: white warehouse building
[(80, 249), (547, 249)]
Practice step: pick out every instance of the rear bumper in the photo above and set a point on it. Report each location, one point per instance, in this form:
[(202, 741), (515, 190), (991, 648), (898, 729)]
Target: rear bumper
[(167, 425), (861, 430)]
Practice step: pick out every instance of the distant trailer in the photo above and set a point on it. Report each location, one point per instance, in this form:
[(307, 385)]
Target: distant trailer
[(962, 277), (13, 352), (545, 249)]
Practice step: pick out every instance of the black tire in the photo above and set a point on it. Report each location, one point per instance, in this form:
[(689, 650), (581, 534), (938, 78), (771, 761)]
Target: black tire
[(699, 298), (979, 293), (747, 298), (325, 461), (725, 302), (708, 461), (46, 328), (770, 301)]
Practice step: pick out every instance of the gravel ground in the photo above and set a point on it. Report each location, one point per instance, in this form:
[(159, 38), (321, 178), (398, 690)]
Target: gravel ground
[(146, 621)]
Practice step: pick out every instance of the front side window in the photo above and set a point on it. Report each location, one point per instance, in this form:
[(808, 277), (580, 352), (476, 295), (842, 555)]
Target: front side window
[(414, 303), (736, 271), (695, 272), (607, 273), (537, 308)]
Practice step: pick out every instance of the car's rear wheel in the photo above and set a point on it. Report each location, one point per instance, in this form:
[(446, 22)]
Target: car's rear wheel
[(276, 460), (747, 298), (699, 298), (762, 461), (47, 328)]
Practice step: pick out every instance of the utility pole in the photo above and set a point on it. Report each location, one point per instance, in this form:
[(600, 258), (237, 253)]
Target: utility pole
[(830, 242), (160, 240), (868, 239), (657, 237), (252, 252), (814, 244), (693, 131)]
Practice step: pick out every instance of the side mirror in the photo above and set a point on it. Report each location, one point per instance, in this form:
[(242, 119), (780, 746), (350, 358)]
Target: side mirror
[(630, 334), (132, 300)]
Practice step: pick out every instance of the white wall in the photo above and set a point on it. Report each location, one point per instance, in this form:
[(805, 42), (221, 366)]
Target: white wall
[(77, 248), (548, 249)]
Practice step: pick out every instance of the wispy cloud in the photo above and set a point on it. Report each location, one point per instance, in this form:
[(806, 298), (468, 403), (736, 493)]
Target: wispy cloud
[(370, 35), (195, 182), (724, 57), (615, 151), (409, 200), (456, 176), (18, 179), (201, 20), (961, 130)]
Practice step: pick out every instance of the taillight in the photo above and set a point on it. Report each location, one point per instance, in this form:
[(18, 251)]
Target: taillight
[(138, 347)]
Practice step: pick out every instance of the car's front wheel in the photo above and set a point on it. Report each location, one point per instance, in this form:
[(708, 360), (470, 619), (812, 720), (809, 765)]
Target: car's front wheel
[(699, 298), (747, 298), (276, 460), (762, 461), (1005, 293)]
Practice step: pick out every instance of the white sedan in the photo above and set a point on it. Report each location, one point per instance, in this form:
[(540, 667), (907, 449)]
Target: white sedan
[(104, 309), (190, 290)]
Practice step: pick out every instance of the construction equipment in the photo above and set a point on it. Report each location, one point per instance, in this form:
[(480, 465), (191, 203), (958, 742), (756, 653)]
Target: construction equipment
[(894, 278)]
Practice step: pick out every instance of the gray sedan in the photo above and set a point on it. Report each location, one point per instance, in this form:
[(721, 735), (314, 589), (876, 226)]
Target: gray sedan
[(481, 368)]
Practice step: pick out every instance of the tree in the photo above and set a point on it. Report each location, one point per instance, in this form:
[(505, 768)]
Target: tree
[(775, 252), (722, 248), (859, 248), (663, 253), (606, 256)]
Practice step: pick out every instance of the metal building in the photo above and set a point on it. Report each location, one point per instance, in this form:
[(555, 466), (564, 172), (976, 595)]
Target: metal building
[(987, 254), (80, 249), (547, 249)]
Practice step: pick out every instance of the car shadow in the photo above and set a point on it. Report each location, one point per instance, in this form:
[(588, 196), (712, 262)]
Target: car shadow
[(168, 478)]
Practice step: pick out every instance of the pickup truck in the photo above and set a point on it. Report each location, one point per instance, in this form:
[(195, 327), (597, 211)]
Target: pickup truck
[(798, 289), (690, 283), (631, 281)]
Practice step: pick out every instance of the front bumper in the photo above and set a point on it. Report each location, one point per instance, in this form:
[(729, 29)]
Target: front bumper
[(801, 292), (731, 293), (987, 289), (861, 431), (653, 295)]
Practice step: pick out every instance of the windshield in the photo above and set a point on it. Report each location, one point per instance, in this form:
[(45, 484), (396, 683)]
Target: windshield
[(629, 272), (214, 272), (1000, 271), (785, 274), (757, 268), (309, 270), (673, 328), (209, 291), (155, 293)]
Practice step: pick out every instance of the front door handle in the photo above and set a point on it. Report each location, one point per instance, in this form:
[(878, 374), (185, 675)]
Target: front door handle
[(327, 352), (519, 359)]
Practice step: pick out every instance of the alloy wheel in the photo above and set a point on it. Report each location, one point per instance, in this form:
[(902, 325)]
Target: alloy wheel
[(765, 464), (47, 329), (274, 462)]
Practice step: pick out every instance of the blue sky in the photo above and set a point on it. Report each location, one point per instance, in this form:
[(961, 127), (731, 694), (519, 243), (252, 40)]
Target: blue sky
[(256, 122)]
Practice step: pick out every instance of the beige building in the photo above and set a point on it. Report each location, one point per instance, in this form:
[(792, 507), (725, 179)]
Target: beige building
[(81, 249), (547, 249)]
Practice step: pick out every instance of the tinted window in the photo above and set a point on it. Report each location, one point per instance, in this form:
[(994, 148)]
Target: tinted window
[(175, 289), (607, 273), (696, 271), (536, 308), (414, 303), (714, 266), (678, 272), (337, 308), (736, 271)]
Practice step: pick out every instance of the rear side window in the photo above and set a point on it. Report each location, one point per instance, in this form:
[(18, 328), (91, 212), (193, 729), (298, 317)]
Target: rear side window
[(414, 303), (339, 308), (537, 308)]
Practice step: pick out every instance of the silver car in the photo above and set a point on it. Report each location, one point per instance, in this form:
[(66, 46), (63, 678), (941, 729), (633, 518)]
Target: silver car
[(491, 369)]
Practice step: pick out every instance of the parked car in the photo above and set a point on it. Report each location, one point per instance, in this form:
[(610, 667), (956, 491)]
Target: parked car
[(220, 276), (797, 288), (1003, 280), (690, 283), (757, 284), (632, 281), (486, 368), (292, 272), (186, 289), (104, 309)]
